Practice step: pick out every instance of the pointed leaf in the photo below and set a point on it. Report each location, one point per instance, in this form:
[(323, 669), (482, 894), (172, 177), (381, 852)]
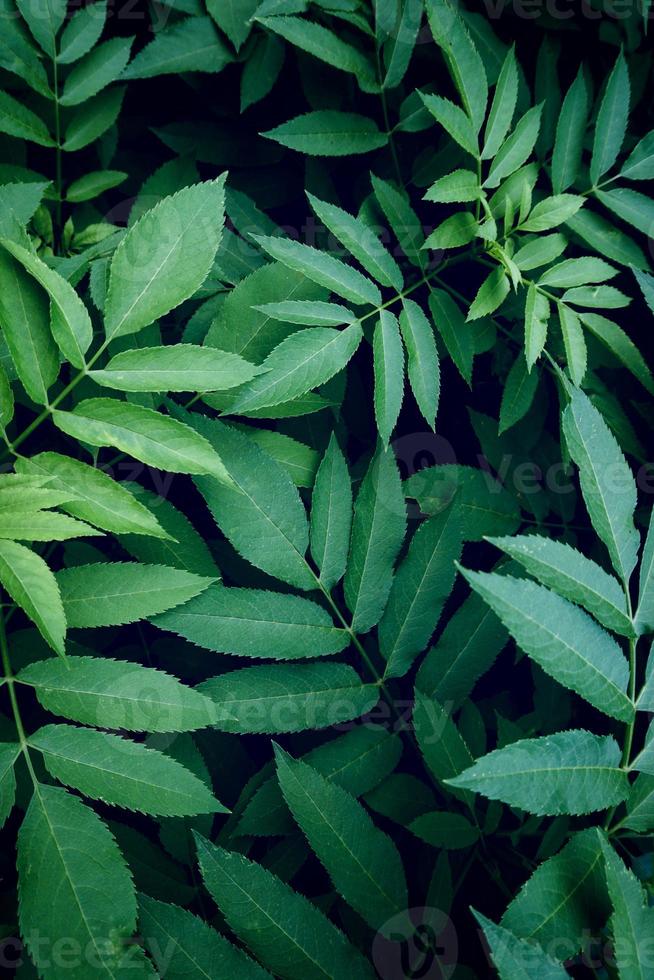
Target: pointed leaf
[(612, 119), (34, 588), (423, 363), (388, 356), (331, 515)]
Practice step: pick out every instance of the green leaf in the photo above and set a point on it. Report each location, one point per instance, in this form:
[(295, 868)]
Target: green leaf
[(117, 694), (640, 805), (463, 59), (92, 495), (486, 507), (331, 515), (570, 772), (325, 45), (644, 617), (289, 697), (184, 947), (70, 321), (570, 130), (8, 755), (62, 847), (361, 241), (612, 119), (540, 251), (564, 569), (516, 148), (261, 514), (444, 830), (516, 959), (261, 70), (466, 648), (404, 222), (565, 899), (606, 239), (305, 360), (457, 230), (631, 206), (177, 367), (574, 342), (43, 526), (403, 44), (25, 320), (423, 362), (19, 121), (155, 439), (33, 587), (577, 272), (421, 585), (502, 108), (82, 32), (165, 257), (44, 21), (620, 345), (378, 531), (443, 748), (520, 387), (123, 773), (281, 927), (491, 294), (256, 623), (93, 184), (454, 331), (96, 70), (632, 921), (322, 268), (606, 482), (552, 211), (233, 17), (93, 118), (310, 313), (329, 133), (192, 44), (115, 593), (388, 356), (560, 638), (453, 120), (639, 165), (362, 862), (456, 187), (298, 459)]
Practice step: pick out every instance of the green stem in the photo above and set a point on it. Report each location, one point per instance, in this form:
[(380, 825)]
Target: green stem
[(9, 680), (58, 160)]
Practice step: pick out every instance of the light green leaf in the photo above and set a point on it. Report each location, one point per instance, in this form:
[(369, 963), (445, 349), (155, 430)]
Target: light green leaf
[(564, 569), (298, 459), (574, 342), (560, 638), (165, 257), (565, 899), (117, 694), (463, 59), (256, 623), (281, 927), (421, 585), (329, 133), (423, 362), (453, 120), (632, 922), (644, 617), (43, 526), (70, 321), (577, 272), (502, 108), (114, 593), (33, 587), (540, 251), (82, 32), (96, 70), (457, 230), (612, 119), (123, 773), (606, 481), (25, 321), (552, 211), (516, 959), (44, 20), (361, 860), (184, 947), (62, 847), (92, 495), (570, 130), (289, 697), (631, 206), (457, 187), (310, 313), (19, 121), (377, 534), (607, 239), (331, 515), (177, 367), (491, 294), (262, 514), (516, 148), (569, 772), (388, 357), (639, 165), (93, 184), (322, 268), (149, 436), (192, 44), (361, 241), (305, 360)]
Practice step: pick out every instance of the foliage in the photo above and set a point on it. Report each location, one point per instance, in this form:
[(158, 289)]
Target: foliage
[(326, 551)]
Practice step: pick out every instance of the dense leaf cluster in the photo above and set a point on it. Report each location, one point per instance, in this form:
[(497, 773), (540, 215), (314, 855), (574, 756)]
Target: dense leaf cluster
[(326, 538)]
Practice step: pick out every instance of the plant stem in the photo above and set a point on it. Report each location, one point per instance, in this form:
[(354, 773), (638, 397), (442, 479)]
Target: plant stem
[(58, 162), (9, 680)]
